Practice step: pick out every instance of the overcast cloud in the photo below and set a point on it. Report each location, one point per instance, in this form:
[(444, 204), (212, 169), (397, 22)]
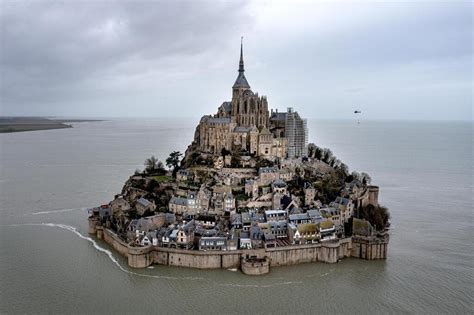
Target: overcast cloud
[(404, 60)]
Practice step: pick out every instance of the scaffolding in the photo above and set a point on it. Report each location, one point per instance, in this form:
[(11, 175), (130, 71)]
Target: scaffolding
[(296, 131)]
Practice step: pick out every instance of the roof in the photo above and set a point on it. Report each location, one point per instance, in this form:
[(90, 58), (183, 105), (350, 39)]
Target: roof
[(314, 213), (267, 169), (144, 202), (326, 224), (242, 129), (279, 183), (227, 106), (241, 81), (299, 216), (270, 212), (278, 116), (179, 201), (216, 120), (307, 228)]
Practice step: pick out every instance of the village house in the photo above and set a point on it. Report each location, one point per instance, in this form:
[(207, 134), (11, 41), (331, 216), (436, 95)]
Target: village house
[(315, 216), (144, 205), (345, 206), (279, 186), (213, 243), (119, 204), (244, 241), (327, 230), (278, 228), (189, 204), (267, 175), (207, 221), (309, 194), (185, 235), (276, 215), (251, 188), (333, 214), (299, 218), (183, 175)]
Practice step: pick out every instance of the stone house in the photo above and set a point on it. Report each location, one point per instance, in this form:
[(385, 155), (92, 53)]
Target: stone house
[(267, 175), (309, 194), (279, 186), (119, 204), (142, 205), (213, 243), (299, 218), (183, 175), (327, 230), (276, 215)]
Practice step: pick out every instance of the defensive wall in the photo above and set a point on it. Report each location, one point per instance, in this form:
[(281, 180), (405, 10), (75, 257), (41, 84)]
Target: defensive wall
[(327, 252)]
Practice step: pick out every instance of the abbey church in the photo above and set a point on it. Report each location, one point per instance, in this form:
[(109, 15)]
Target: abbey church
[(245, 125)]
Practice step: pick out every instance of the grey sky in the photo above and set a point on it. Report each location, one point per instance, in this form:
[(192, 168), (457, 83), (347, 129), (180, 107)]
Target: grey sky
[(392, 60)]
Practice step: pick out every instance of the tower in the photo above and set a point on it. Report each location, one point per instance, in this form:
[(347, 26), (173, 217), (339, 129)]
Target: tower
[(240, 86)]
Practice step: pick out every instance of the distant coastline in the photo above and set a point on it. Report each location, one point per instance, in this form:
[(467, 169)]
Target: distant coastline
[(22, 124)]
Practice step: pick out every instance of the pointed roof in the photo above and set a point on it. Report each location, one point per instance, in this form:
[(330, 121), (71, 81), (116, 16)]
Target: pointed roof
[(241, 81)]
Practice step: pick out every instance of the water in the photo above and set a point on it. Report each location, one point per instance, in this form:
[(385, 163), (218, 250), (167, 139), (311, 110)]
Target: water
[(49, 264)]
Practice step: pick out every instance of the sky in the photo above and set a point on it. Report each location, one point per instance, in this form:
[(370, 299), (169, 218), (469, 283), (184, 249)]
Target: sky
[(326, 59)]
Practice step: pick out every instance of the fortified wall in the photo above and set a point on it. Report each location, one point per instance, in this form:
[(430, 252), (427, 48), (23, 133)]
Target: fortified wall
[(252, 262)]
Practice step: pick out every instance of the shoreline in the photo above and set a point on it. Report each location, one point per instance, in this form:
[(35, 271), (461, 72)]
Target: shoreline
[(24, 124)]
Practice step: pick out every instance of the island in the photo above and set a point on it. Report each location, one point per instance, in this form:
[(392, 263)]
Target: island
[(249, 193)]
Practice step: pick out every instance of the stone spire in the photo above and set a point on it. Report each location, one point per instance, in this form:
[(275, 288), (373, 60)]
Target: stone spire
[(241, 81), (241, 63)]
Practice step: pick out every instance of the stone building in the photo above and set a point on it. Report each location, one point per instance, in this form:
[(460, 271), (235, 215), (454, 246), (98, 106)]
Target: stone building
[(244, 125)]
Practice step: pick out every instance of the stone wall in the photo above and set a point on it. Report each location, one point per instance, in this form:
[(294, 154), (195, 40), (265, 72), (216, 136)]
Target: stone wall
[(328, 252)]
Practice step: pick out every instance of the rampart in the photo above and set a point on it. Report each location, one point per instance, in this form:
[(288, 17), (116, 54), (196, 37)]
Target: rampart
[(327, 252)]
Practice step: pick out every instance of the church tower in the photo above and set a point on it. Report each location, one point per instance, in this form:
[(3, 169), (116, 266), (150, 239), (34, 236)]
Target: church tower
[(240, 86)]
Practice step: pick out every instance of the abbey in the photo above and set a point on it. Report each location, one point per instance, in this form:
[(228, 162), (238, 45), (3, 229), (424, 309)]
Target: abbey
[(245, 125)]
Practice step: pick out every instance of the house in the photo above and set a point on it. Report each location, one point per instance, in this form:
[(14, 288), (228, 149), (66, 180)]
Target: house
[(213, 243), (183, 175), (169, 238), (244, 241), (307, 233), (204, 197), (185, 235), (276, 215), (286, 174), (236, 221), (149, 239), (251, 188), (327, 230), (299, 218), (278, 228), (345, 206), (315, 216), (256, 236), (207, 221), (279, 186), (332, 214), (246, 221), (270, 240), (105, 212), (144, 205), (267, 175), (229, 203), (180, 205), (119, 204)]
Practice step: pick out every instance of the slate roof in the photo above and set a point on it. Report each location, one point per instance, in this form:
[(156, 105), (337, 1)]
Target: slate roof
[(278, 116), (144, 202)]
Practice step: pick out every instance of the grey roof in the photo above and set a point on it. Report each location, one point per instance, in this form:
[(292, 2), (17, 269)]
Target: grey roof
[(314, 213), (179, 201), (278, 116), (241, 81), (267, 170), (144, 202), (227, 106), (279, 183), (216, 120), (242, 129), (298, 216)]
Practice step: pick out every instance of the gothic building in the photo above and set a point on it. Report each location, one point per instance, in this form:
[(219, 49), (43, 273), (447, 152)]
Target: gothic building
[(244, 124)]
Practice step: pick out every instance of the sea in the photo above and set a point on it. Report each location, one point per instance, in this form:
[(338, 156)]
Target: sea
[(49, 263)]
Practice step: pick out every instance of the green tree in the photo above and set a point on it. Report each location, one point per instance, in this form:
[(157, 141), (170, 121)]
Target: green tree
[(311, 150), (173, 161)]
